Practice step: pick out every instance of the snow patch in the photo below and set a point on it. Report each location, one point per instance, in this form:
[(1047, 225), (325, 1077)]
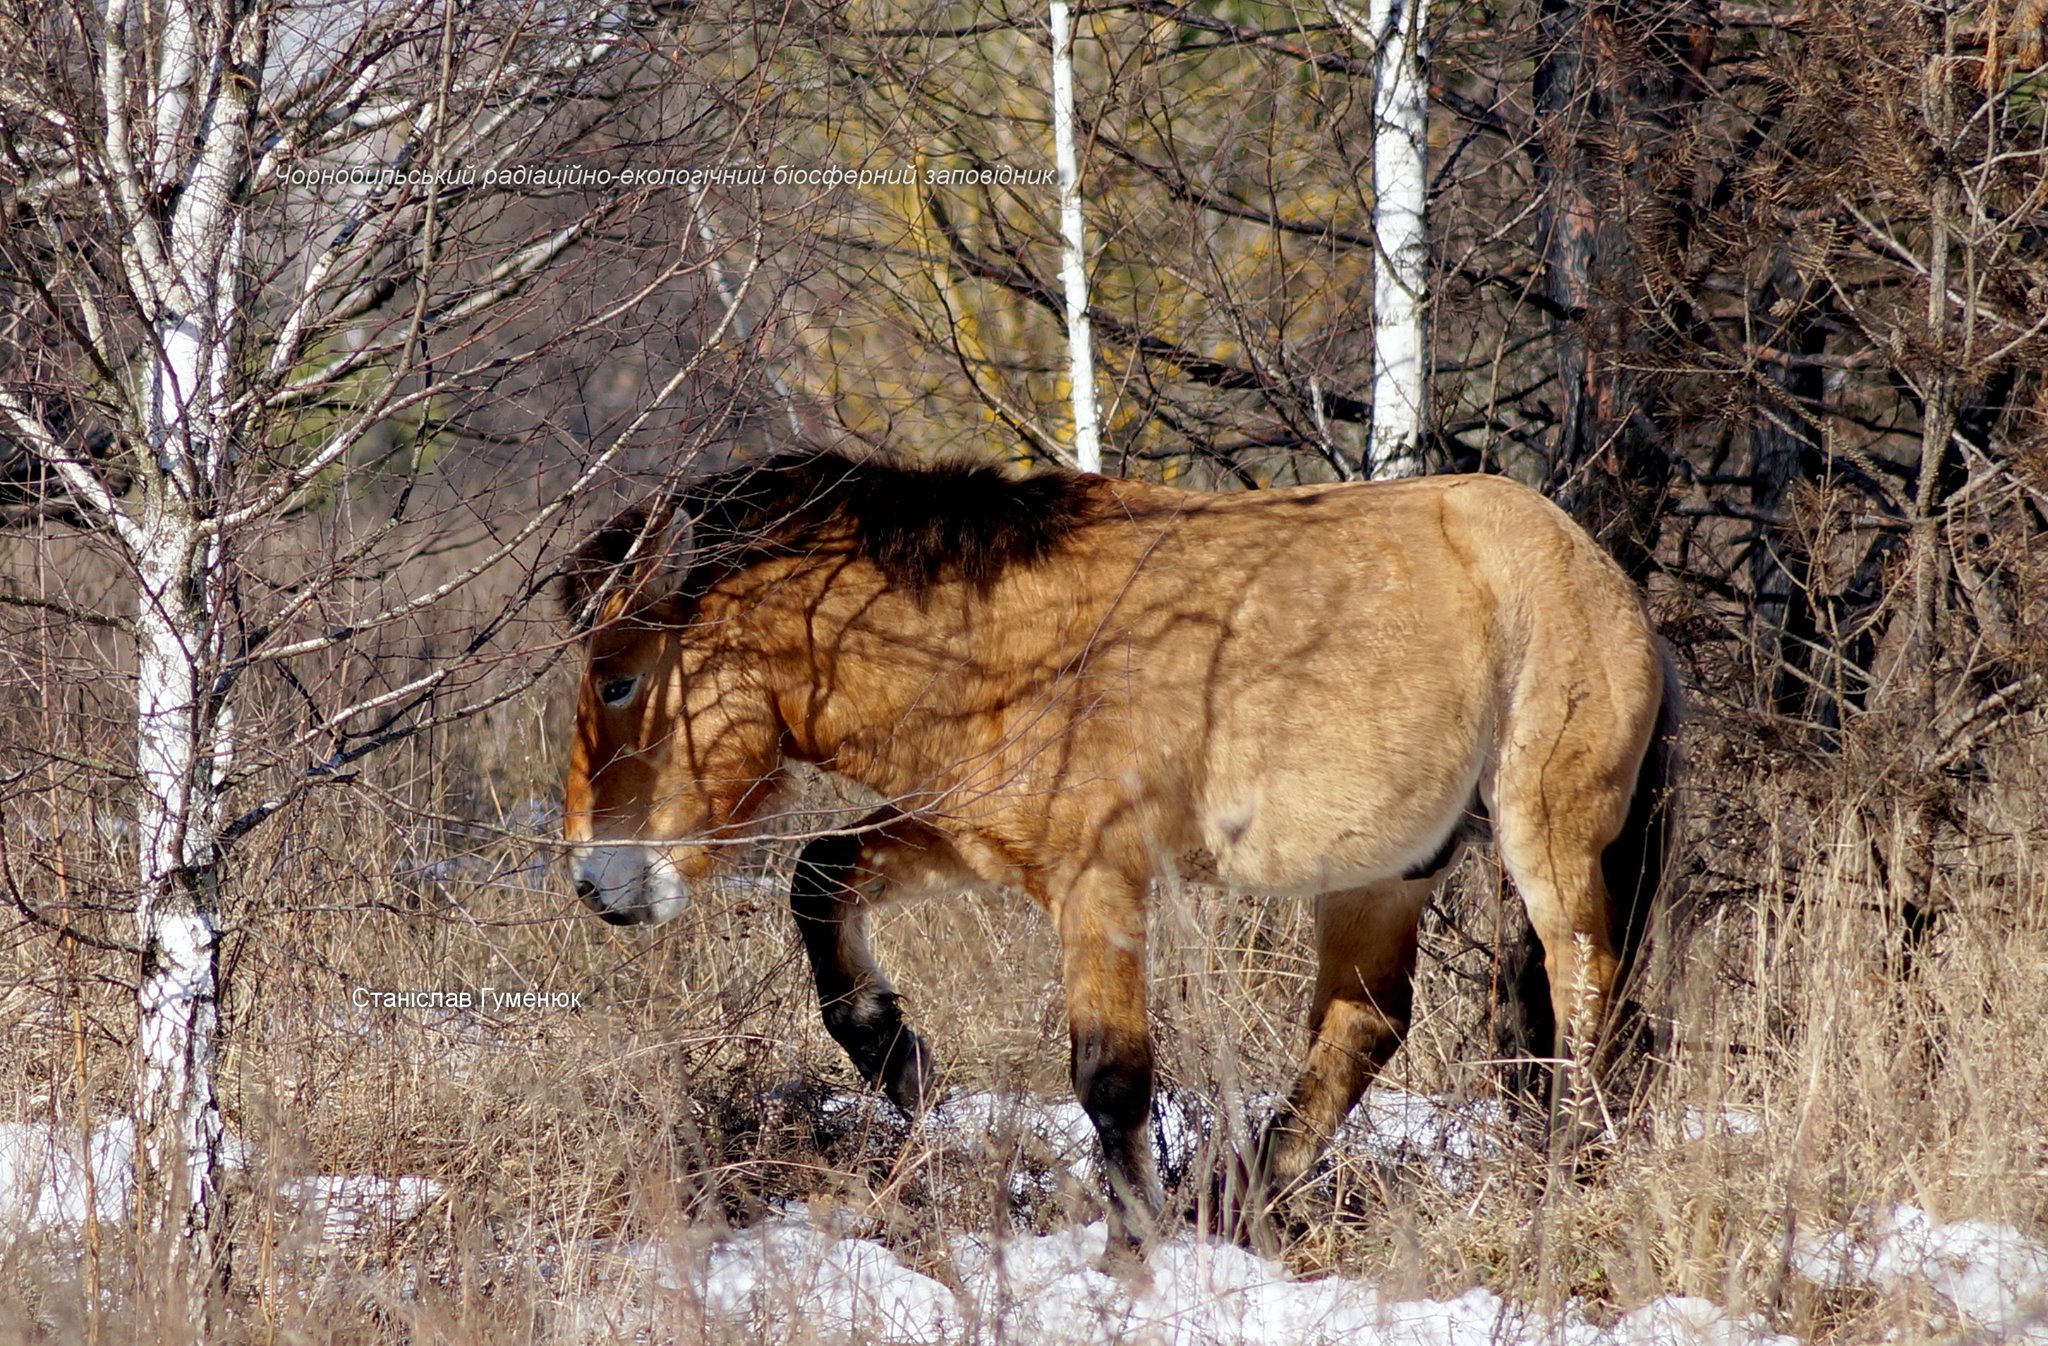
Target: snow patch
[(975, 1120), (788, 1278), (1686, 1320), (1990, 1272), (1389, 1126), (1736, 1123), (787, 1275), (791, 1272), (343, 1206), (45, 1181), (1196, 1292), (45, 1177), (1393, 1126)]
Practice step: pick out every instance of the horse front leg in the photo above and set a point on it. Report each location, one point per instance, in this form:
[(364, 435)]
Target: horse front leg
[(837, 879), (1102, 934)]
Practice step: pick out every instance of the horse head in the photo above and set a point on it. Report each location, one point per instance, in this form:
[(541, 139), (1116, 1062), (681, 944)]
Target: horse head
[(674, 743)]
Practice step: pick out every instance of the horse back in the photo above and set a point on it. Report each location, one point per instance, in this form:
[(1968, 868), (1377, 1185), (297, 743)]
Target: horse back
[(1321, 681)]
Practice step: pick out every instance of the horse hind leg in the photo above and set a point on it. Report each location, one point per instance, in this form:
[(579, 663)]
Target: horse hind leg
[(1586, 761), (1365, 973), (1553, 852), (836, 880)]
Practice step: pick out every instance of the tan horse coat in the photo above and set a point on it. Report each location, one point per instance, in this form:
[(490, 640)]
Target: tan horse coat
[(1306, 691)]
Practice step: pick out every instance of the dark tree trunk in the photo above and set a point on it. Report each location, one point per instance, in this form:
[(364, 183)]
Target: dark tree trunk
[(1785, 451), (1615, 90)]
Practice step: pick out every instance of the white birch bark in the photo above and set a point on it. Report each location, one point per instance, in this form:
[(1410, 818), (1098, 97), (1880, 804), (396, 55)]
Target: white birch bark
[(1397, 33), (186, 268), (178, 1018), (1073, 246)]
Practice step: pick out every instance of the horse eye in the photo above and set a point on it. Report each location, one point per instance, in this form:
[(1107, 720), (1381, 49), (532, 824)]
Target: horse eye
[(617, 690)]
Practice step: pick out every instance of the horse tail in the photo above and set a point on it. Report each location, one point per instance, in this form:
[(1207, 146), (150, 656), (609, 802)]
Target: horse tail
[(1637, 864), (1637, 870)]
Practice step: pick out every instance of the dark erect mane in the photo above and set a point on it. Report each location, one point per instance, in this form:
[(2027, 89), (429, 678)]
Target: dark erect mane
[(919, 525)]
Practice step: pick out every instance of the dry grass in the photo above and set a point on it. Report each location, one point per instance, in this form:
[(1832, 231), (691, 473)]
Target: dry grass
[(683, 1096)]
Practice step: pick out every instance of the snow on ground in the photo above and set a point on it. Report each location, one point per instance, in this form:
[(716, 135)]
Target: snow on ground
[(44, 1176), (1389, 1126), (1198, 1292), (1048, 1290), (785, 1272), (1195, 1292), (44, 1181), (1697, 1123), (1990, 1272), (342, 1206), (1392, 1126), (794, 1275)]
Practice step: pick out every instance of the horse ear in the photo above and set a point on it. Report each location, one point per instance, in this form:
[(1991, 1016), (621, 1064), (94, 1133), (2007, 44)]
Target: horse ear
[(632, 552)]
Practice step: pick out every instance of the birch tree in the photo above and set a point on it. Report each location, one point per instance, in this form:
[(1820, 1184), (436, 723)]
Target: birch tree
[(1396, 32), (1228, 262), (251, 237), (1073, 245)]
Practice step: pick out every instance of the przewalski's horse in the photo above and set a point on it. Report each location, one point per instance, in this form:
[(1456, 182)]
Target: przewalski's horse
[(1071, 685)]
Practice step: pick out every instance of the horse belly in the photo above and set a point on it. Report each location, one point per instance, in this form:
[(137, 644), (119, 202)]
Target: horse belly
[(1320, 830)]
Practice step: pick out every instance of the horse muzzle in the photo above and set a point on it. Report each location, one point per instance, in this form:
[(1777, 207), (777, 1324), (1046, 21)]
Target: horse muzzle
[(629, 884)]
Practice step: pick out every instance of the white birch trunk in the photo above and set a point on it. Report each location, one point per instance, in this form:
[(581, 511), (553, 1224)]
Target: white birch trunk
[(1074, 246), (1396, 30), (183, 743), (171, 162), (188, 269), (178, 1016)]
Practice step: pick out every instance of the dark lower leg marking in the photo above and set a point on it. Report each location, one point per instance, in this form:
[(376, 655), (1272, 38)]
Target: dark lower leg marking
[(1113, 1080), (1525, 1031), (860, 1010)]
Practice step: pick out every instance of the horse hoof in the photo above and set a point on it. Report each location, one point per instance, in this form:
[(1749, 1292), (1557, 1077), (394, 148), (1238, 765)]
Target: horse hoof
[(911, 1079), (1124, 1260)]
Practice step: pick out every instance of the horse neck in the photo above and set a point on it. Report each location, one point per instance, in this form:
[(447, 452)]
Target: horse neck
[(893, 689)]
